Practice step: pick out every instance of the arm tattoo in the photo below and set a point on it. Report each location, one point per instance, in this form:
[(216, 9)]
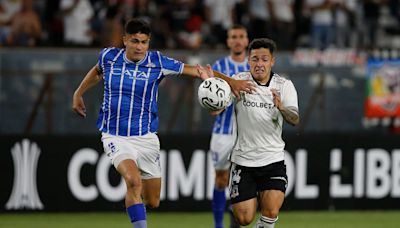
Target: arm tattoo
[(291, 115)]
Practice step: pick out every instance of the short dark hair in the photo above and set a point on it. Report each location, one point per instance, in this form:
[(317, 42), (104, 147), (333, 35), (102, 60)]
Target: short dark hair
[(135, 25), (262, 43), (238, 26)]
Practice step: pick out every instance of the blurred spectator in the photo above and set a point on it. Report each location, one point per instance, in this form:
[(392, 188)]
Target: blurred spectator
[(179, 17), (192, 37), (344, 16), (220, 17), (160, 24), (7, 10), (77, 16), (394, 6), (259, 18), (26, 27), (282, 19), (107, 24), (322, 22), (371, 16), (53, 24)]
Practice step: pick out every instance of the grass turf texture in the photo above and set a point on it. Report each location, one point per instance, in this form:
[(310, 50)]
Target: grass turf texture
[(314, 219)]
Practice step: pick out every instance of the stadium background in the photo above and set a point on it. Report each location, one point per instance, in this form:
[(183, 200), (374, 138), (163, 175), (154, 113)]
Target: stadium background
[(344, 155)]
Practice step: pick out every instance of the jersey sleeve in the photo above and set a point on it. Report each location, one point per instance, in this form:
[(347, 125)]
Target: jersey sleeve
[(102, 58), (170, 66), (289, 95), (216, 66), (241, 76)]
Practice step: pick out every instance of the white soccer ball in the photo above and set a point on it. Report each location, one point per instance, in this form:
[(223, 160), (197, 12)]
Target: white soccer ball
[(214, 94)]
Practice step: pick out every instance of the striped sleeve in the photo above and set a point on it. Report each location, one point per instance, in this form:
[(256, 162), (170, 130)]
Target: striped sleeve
[(102, 58), (170, 66)]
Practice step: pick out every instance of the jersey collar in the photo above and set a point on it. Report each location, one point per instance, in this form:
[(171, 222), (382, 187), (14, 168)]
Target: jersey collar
[(269, 80), (237, 63), (138, 62)]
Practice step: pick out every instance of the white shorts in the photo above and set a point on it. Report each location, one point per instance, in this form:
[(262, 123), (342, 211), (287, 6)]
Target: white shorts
[(144, 150), (221, 146)]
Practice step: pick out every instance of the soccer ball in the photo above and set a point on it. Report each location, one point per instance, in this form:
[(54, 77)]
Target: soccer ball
[(214, 94)]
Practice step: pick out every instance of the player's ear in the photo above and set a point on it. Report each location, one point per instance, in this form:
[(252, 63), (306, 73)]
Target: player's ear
[(125, 40)]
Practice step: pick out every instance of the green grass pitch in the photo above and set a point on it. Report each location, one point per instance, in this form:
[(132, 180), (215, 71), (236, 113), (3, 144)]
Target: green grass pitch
[(313, 219)]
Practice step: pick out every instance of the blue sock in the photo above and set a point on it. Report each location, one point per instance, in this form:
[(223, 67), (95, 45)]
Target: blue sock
[(137, 214), (218, 207)]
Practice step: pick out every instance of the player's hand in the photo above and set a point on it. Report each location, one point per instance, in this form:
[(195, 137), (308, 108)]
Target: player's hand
[(216, 112), (79, 106), (276, 98), (241, 85), (205, 72)]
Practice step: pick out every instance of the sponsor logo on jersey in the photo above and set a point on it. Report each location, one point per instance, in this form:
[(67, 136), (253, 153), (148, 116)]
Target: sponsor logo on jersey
[(254, 104)]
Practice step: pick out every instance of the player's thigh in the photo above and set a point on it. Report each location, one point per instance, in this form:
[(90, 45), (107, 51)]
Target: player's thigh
[(129, 171), (118, 149), (149, 157), (151, 191), (220, 147), (271, 185), (243, 193), (270, 202)]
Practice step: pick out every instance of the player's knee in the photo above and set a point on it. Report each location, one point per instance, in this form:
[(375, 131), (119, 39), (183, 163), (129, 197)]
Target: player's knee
[(133, 182), (221, 181), (221, 184), (272, 213), (244, 220), (153, 203)]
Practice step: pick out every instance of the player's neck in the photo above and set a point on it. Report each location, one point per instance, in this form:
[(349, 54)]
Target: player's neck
[(135, 58), (238, 57)]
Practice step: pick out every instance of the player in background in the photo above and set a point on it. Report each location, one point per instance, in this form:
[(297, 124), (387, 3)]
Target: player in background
[(258, 172), (224, 131), (128, 116)]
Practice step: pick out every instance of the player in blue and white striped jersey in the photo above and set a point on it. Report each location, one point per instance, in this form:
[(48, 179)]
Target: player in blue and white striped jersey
[(224, 131), (128, 117)]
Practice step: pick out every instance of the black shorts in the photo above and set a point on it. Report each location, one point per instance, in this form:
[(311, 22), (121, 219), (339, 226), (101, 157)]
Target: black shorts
[(246, 182)]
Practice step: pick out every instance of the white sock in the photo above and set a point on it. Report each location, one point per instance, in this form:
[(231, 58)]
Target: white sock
[(265, 222)]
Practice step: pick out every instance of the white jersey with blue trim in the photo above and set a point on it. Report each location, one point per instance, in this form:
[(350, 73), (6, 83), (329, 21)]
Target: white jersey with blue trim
[(130, 91), (224, 122)]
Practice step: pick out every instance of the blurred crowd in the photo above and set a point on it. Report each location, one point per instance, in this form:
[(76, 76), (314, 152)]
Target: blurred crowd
[(194, 24)]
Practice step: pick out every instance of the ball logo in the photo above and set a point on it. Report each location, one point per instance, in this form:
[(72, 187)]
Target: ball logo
[(214, 94), (24, 194)]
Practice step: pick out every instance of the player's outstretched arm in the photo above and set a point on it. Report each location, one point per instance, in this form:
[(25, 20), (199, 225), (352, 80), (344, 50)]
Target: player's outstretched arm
[(91, 79), (195, 71), (290, 114), (236, 85)]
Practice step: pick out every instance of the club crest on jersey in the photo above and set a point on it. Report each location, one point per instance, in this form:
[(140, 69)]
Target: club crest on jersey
[(151, 65)]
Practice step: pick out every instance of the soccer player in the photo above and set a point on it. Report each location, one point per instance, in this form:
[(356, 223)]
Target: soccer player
[(128, 116), (224, 131), (258, 172)]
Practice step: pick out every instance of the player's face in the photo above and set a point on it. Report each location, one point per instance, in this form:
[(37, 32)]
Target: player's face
[(261, 62), (136, 45), (237, 40)]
